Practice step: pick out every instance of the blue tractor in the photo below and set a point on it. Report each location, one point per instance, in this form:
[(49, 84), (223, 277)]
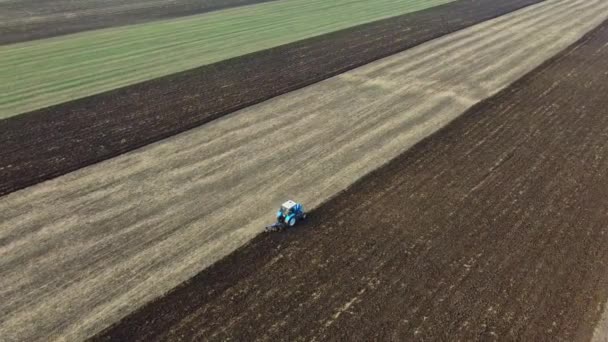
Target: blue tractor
[(288, 215)]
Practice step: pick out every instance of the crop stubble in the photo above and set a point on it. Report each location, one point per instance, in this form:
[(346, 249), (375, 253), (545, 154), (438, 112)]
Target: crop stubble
[(495, 227), (50, 142), (108, 238)]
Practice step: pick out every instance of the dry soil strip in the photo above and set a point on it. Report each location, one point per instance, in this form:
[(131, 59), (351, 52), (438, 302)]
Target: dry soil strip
[(81, 251), (51, 142), (496, 228), (601, 331), (25, 20)]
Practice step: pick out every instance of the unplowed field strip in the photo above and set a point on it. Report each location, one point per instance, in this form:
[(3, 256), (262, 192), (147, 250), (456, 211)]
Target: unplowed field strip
[(81, 251), (495, 228), (24, 20), (47, 143), (601, 330)]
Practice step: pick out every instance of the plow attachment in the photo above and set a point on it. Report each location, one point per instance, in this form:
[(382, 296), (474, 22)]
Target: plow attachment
[(275, 227)]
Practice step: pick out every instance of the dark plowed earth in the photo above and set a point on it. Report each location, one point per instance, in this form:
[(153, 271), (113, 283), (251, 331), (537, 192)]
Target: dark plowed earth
[(496, 227), (50, 142), (36, 19)]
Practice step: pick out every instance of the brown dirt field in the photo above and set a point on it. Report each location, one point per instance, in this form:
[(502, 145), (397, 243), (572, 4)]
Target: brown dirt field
[(83, 250), (24, 20), (494, 228), (47, 143)]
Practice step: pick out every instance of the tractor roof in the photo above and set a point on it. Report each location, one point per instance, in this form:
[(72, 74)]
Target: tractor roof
[(289, 204)]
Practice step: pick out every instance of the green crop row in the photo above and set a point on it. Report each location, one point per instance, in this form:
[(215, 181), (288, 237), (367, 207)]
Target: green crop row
[(41, 73)]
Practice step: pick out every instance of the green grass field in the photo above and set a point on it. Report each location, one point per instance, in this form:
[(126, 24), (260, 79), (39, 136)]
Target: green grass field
[(41, 73)]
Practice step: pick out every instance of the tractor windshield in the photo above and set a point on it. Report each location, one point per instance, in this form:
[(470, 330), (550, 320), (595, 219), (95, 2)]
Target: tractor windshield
[(284, 210)]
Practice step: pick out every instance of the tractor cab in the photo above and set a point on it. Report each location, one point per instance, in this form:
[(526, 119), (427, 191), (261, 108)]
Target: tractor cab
[(290, 212), (287, 208)]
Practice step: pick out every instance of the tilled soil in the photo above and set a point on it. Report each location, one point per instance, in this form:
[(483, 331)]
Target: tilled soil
[(50, 142), (24, 20), (80, 252), (494, 228)]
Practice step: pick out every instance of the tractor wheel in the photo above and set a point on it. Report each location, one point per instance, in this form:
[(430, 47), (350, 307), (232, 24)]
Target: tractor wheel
[(292, 222)]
